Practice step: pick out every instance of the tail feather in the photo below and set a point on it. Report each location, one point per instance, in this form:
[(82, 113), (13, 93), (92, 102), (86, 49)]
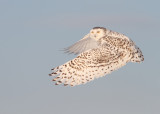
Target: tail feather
[(137, 55)]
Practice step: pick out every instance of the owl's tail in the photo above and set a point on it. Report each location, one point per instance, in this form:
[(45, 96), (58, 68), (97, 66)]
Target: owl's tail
[(137, 55)]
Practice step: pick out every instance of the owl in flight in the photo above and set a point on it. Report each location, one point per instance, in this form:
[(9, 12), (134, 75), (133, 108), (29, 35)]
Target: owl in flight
[(99, 53)]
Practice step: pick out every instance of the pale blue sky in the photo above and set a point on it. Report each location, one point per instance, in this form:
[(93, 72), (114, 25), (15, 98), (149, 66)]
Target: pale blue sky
[(33, 31)]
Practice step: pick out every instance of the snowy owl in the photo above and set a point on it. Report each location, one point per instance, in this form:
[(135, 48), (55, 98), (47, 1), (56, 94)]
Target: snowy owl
[(99, 53)]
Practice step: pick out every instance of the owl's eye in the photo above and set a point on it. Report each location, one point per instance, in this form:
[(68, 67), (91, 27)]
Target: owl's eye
[(98, 31), (92, 32)]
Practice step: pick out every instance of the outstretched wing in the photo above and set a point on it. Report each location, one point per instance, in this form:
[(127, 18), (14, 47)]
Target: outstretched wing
[(82, 45), (89, 65)]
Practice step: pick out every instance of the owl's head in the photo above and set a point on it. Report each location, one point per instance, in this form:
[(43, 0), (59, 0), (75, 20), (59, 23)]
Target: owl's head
[(97, 33)]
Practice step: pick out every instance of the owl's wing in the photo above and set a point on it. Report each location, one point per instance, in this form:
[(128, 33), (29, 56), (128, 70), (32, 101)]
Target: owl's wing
[(89, 65), (82, 45)]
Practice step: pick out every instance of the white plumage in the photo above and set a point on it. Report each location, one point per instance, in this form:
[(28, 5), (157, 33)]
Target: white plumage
[(100, 52)]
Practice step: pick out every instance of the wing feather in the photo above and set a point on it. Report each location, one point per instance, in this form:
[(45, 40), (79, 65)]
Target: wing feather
[(89, 65), (82, 45)]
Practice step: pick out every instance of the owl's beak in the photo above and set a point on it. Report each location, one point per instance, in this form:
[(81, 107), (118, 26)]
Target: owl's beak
[(94, 35)]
